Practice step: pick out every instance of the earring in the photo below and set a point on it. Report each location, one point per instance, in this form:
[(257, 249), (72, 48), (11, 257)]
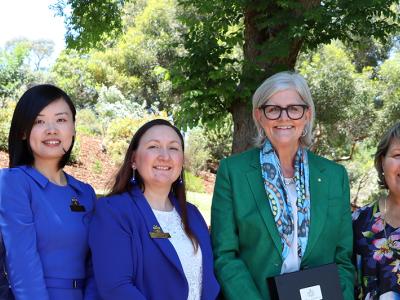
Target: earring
[(304, 133), (180, 181), (133, 179)]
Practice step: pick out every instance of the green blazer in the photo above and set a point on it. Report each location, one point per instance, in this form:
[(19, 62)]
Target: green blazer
[(246, 243)]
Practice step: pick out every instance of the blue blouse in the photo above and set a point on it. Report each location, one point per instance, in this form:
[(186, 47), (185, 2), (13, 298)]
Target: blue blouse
[(46, 242)]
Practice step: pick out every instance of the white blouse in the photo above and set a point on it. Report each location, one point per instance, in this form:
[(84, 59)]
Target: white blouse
[(191, 262), (292, 261)]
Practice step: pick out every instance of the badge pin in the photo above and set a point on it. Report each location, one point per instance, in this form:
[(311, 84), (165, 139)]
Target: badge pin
[(76, 206), (157, 233)]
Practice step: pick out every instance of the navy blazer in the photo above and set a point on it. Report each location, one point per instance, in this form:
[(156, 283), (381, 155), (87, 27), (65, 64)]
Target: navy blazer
[(129, 264)]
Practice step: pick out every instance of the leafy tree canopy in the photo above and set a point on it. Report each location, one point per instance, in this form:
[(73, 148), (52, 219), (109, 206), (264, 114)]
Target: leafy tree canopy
[(231, 46)]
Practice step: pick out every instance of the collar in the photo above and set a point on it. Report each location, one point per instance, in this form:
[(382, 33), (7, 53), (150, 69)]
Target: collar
[(137, 193), (43, 180)]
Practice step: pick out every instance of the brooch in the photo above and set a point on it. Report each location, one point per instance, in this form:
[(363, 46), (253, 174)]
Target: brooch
[(157, 233), (76, 206)]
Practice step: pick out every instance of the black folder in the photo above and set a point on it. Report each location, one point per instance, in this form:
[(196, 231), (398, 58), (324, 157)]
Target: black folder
[(309, 284)]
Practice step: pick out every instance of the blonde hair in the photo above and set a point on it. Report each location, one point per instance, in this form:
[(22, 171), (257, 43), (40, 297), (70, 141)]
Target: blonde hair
[(281, 81)]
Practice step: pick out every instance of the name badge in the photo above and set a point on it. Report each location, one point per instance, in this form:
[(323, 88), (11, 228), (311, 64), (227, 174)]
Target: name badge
[(311, 293), (157, 233), (76, 206)]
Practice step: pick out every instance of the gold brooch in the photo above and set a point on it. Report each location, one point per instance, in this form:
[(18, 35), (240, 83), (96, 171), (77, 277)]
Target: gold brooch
[(157, 233)]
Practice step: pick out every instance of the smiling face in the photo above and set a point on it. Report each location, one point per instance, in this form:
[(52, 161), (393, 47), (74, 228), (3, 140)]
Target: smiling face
[(52, 132), (391, 167), (283, 132), (159, 157)]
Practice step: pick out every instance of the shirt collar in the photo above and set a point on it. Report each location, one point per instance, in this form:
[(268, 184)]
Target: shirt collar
[(43, 181)]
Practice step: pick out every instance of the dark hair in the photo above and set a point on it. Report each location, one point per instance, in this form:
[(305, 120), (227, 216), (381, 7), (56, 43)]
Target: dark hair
[(32, 102), (392, 134), (122, 182)]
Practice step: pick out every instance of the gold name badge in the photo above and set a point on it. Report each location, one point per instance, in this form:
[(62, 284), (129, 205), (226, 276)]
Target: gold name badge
[(76, 206), (157, 233)]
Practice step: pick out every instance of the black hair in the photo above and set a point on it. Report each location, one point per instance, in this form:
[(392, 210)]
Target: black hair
[(32, 102)]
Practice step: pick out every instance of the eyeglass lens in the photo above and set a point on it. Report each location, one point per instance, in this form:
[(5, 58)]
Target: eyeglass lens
[(274, 112)]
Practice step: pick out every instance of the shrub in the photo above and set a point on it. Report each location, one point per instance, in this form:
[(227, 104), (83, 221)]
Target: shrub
[(194, 183), (120, 132), (219, 139), (87, 122), (76, 151), (97, 166), (5, 122), (197, 152)]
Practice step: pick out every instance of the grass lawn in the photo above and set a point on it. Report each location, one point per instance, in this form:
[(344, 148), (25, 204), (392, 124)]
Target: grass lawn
[(203, 203)]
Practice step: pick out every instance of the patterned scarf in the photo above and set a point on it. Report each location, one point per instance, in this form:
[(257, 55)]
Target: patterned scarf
[(277, 195)]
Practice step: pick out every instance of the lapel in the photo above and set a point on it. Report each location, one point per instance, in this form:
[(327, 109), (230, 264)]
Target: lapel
[(254, 178), (319, 203), (150, 220)]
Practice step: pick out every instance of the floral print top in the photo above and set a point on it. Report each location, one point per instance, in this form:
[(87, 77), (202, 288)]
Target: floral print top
[(377, 255)]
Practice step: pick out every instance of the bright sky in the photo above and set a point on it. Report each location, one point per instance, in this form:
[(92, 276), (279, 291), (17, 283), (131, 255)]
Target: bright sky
[(32, 19)]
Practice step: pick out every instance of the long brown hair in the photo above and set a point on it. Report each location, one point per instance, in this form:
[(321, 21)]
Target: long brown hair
[(123, 183)]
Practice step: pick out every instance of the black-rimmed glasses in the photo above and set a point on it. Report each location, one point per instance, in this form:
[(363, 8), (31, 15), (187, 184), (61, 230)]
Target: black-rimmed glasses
[(274, 112)]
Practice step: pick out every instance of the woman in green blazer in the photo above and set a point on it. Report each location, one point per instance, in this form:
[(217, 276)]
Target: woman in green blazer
[(278, 208)]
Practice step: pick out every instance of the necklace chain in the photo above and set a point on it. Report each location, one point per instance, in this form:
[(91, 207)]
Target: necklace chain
[(288, 181)]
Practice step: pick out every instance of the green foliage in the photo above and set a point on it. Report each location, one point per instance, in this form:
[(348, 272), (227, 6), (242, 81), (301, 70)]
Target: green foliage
[(219, 139), (120, 132), (196, 152), (76, 151), (193, 183), (97, 167), (369, 52), (228, 47), (13, 71), (87, 122), (112, 104), (362, 174), (137, 63), (343, 99), (389, 87), (214, 77), (101, 18), (6, 113), (71, 73)]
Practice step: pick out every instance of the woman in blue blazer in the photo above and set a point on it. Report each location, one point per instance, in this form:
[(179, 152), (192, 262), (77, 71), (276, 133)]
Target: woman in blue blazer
[(44, 212), (147, 241)]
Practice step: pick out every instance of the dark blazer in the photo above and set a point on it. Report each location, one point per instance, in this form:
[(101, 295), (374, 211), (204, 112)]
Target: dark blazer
[(246, 242), (129, 264)]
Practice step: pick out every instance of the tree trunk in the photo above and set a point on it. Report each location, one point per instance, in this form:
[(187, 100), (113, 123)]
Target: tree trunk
[(255, 71), (244, 130)]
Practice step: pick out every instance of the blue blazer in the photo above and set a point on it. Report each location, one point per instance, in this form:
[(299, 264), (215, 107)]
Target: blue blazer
[(47, 251), (129, 264)]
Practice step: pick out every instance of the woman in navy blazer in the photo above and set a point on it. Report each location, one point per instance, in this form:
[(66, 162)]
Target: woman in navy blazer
[(147, 241), (44, 212)]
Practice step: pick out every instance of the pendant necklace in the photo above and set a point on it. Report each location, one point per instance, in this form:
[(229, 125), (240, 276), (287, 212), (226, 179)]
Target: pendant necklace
[(288, 181)]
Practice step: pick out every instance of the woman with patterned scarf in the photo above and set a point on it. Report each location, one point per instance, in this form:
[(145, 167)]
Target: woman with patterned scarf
[(279, 208)]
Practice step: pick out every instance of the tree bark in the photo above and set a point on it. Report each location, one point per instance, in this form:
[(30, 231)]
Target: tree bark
[(244, 130)]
